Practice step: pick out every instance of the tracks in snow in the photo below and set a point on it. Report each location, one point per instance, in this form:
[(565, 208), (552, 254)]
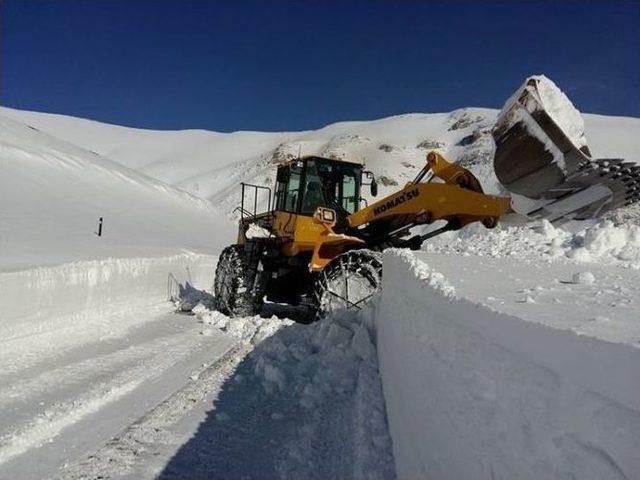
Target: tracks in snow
[(61, 408), (287, 401)]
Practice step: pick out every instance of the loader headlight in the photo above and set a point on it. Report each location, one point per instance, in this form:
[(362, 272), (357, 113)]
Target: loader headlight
[(325, 215), (328, 215)]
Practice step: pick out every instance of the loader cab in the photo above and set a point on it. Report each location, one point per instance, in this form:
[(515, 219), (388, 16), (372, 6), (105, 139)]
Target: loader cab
[(304, 185)]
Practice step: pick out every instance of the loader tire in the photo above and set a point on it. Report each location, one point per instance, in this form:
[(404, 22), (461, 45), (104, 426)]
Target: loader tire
[(348, 282), (237, 289)]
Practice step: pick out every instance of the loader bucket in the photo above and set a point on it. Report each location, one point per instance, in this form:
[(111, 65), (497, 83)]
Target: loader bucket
[(537, 158), (533, 154)]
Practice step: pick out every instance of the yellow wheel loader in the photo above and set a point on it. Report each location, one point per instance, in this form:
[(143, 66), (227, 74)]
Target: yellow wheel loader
[(318, 245)]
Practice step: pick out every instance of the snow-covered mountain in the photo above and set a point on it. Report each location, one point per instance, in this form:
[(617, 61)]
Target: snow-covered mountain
[(211, 165)]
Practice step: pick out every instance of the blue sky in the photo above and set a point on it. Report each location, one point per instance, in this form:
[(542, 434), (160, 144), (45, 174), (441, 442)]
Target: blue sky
[(274, 65)]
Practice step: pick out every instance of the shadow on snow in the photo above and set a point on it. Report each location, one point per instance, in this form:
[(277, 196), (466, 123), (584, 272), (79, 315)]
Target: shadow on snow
[(302, 404)]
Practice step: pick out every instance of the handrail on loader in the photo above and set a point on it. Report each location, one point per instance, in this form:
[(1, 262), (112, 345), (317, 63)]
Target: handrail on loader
[(246, 214)]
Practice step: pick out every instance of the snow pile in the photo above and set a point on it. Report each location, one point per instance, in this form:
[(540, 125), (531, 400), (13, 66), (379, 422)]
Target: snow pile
[(474, 392), (539, 241), (318, 394), (606, 241), (329, 372), (588, 242), (251, 330)]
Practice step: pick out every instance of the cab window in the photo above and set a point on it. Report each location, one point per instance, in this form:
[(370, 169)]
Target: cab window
[(288, 188), (350, 195), (331, 184), (313, 190)]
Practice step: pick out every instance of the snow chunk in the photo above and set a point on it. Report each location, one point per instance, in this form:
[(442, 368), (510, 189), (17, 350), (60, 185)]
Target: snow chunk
[(532, 241), (548, 230), (256, 231), (362, 345), (336, 336), (274, 375), (251, 330), (423, 272), (584, 278)]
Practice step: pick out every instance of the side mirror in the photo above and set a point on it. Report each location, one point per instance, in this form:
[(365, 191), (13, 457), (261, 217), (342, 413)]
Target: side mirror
[(374, 187), (373, 184)]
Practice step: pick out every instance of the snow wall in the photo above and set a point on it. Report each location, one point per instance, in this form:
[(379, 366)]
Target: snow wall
[(92, 299), (476, 394)]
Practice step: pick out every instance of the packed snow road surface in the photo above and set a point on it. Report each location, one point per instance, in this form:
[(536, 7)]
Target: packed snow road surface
[(62, 407), (88, 347)]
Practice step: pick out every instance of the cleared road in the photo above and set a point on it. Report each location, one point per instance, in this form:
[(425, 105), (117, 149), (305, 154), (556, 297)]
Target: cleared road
[(62, 408)]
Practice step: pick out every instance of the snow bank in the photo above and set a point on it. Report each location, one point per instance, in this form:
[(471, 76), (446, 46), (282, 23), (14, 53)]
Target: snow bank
[(51, 309), (475, 393)]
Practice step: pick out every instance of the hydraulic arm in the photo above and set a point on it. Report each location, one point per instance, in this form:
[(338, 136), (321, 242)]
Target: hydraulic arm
[(458, 199)]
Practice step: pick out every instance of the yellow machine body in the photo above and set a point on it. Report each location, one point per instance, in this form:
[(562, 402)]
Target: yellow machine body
[(302, 233), (458, 198)]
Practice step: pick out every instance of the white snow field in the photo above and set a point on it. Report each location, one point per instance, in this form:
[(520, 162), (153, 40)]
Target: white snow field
[(519, 360), (52, 194)]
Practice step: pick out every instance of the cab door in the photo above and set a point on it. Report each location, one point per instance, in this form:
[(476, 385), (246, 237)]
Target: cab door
[(298, 195), (289, 181)]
